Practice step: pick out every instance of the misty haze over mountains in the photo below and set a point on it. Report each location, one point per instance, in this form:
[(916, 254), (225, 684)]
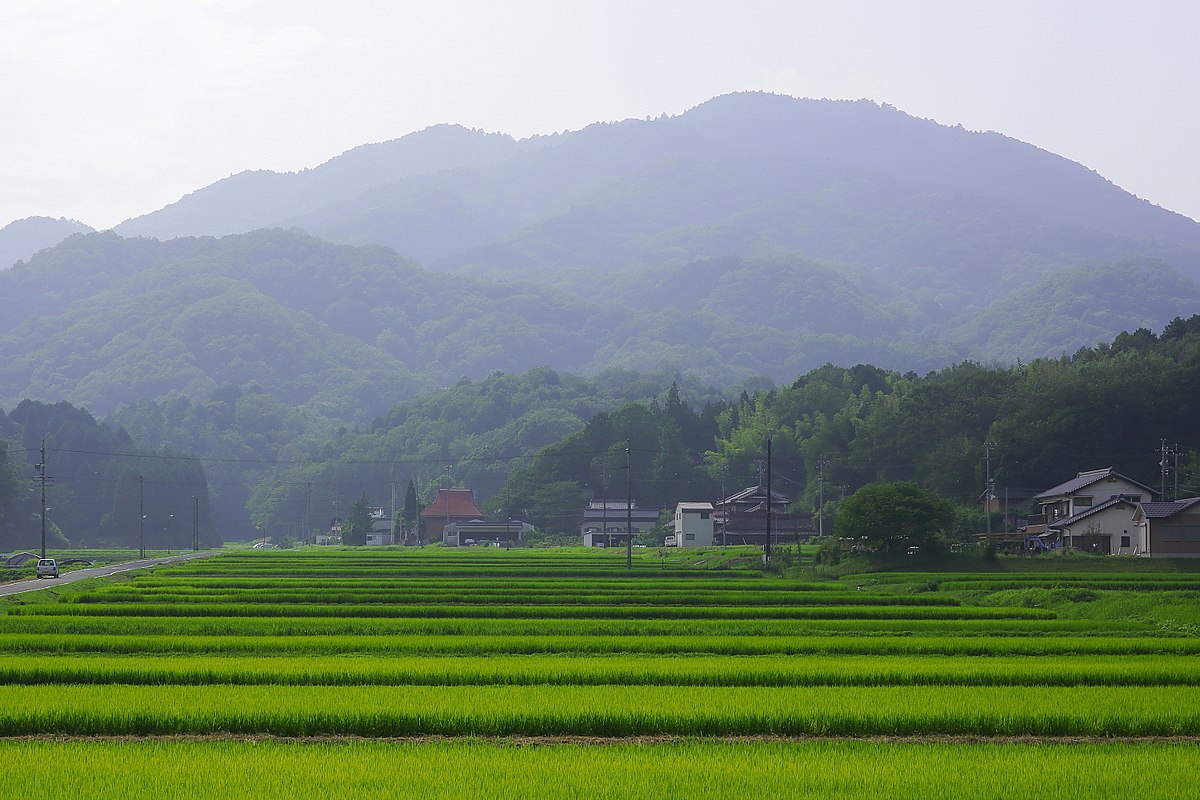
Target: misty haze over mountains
[(753, 235)]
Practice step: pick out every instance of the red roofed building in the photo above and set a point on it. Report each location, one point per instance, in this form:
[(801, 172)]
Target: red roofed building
[(450, 505)]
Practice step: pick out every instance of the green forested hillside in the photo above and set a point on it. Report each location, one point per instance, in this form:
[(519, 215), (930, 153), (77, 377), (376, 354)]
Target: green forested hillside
[(93, 495), (346, 332), (868, 234), (538, 443), (472, 434), (1111, 405)]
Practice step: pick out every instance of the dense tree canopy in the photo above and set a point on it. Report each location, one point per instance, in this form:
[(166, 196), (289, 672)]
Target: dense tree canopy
[(890, 516), (101, 480), (357, 523)]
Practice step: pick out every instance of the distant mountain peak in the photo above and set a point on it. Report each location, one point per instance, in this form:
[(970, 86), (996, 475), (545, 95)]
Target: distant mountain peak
[(22, 238)]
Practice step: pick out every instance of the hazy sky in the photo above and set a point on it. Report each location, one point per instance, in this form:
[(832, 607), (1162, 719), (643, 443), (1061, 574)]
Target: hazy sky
[(114, 108)]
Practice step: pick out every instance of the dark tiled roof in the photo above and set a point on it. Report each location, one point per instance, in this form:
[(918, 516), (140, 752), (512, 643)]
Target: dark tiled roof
[(1087, 479), (752, 492), (1087, 512), (620, 513), (453, 503), (1160, 509)]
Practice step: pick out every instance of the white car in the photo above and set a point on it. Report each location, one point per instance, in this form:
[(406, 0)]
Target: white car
[(47, 568)]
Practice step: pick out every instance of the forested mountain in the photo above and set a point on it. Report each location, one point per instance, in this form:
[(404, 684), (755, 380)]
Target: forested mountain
[(101, 483), (21, 239), (753, 238), (345, 332), (855, 231), (744, 163), (264, 199)]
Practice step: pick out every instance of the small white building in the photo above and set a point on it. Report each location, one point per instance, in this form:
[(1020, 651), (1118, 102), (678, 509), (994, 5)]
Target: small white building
[(693, 524), (381, 528), (1107, 528)]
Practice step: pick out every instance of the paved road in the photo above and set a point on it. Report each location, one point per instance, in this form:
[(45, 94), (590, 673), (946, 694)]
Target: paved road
[(31, 584)]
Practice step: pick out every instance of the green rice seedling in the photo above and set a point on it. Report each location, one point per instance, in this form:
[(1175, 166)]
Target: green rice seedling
[(528, 612), (583, 598), (1052, 583), (284, 625), (475, 644), (617, 669), (702, 770), (619, 711)]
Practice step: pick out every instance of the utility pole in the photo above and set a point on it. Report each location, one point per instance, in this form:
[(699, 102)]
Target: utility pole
[(195, 523), (767, 549), (141, 518), (628, 512), (821, 462), (307, 508), (1175, 494), (1163, 453), (724, 510), (42, 478), (604, 504), (987, 491), (448, 485)]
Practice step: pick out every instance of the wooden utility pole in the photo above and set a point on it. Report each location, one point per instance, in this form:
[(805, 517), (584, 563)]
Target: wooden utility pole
[(767, 548), (628, 512), (141, 518), (42, 478), (987, 489)]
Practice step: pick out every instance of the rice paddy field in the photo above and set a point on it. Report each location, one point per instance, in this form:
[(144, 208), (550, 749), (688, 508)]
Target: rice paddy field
[(481, 672)]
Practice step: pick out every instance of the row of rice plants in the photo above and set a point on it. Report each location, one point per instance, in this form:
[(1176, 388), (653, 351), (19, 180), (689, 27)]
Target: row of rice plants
[(621, 711), (25, 622), (618, 670), (165, 580), (475, 644), (534, 612), (701, 770), (583, 598), (1051, 583), (1191, 578)]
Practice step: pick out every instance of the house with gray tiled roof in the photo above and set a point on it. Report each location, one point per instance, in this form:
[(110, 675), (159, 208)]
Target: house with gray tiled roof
[(1169, 530), (1106, 528), (1092, 511)]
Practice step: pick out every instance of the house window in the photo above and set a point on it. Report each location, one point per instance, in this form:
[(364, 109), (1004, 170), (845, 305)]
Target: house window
[(689, 536), (1191, 533), (1083, 501), (1125, 542), (1172, 533), (704, 515)]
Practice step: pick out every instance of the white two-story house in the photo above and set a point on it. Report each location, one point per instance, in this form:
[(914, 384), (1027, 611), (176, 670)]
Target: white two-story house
[(1092, 512)]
